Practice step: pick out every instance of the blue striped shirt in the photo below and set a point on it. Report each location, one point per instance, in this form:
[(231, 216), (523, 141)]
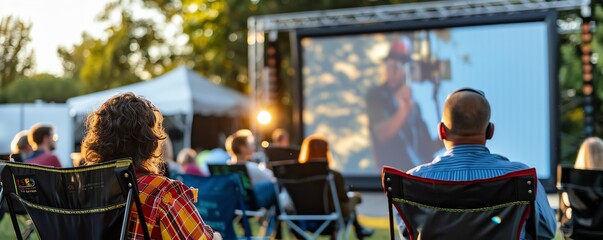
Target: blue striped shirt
[(470, 162)]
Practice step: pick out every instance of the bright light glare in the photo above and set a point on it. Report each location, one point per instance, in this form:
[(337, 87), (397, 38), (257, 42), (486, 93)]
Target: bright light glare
[(264, 117)]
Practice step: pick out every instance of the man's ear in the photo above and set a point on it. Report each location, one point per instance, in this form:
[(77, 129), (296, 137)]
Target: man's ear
[(490, 131), (442, 131)]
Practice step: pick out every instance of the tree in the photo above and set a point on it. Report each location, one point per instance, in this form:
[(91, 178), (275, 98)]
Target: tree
[(74, 57), (16, 58), (46, 87), (133, 50), (217, 30)]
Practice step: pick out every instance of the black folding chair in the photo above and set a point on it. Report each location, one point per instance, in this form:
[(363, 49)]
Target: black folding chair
[(275, 154), (580, 203), (89, 202), (314, 194), (493, 208)]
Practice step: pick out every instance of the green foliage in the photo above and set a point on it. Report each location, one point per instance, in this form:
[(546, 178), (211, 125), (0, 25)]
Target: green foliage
[(16, 59), (107, 65), (45, 87), (74, 58), (133, 50)]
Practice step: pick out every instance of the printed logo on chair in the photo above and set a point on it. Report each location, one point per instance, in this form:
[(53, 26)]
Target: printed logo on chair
[(93, 186), (26, 184)]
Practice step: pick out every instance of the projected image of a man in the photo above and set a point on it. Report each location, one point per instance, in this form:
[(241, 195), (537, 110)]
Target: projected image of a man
[(398, 133)]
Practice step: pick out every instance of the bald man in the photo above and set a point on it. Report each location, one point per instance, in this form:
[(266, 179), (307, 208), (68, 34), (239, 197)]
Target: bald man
[(464, 129)]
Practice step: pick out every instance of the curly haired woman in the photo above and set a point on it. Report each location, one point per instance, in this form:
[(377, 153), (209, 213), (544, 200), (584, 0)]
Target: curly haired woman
[(129, 126)]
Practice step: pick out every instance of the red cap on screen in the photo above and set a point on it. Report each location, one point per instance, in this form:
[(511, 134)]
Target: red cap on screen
[(400, 49)]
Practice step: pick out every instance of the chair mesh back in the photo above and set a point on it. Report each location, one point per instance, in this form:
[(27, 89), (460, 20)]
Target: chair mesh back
[(494, 208), (71, 203), (275, 154), (218, 198), (583, 217), (307, 185)]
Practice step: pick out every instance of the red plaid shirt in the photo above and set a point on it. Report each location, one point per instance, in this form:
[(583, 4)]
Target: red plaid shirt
[(169, 211)]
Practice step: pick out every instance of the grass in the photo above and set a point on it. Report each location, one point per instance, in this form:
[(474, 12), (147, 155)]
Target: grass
[(380, 224), (6, 227)]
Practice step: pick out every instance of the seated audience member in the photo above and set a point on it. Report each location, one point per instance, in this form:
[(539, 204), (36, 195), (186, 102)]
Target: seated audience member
[(590, 155), (20, 146), (280, 138), (214, 156), (186, 160), (42, 139), (19, 149), (464, 129), (127, 125), (240, 147), (316, 148)]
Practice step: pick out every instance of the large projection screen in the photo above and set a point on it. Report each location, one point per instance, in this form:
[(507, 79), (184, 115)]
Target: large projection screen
[(344, 91)]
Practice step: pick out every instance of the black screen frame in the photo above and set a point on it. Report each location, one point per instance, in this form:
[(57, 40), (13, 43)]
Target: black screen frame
[(363, 182)]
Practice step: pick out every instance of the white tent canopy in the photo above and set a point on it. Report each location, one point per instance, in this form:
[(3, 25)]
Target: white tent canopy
[(178, 92)]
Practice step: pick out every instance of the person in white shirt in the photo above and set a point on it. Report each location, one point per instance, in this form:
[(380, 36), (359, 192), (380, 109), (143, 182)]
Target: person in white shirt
[(240, 147)]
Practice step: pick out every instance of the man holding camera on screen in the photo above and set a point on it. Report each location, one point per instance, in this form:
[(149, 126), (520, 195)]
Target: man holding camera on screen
[(398, 133)]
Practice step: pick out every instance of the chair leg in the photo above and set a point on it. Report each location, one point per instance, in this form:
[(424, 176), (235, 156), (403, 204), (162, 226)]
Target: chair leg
[(348, 229)]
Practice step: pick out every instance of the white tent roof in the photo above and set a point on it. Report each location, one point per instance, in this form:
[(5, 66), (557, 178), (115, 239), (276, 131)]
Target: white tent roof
[(180, 91)]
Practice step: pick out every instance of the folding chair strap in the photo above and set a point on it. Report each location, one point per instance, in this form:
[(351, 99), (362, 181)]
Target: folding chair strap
[(532, 222), (391, 217)]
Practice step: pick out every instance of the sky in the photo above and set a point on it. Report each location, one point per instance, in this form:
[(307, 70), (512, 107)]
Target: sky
[(55, 23)]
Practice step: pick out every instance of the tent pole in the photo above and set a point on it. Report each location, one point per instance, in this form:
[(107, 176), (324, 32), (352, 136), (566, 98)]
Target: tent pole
[(188, 129)]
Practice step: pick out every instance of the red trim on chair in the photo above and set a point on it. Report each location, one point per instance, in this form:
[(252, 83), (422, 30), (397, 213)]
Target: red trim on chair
[(412, 237), (523, 222), (520, 173), (388, 169)]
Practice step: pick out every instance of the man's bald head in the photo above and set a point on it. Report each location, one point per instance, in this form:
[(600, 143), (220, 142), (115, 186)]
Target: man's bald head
[(466, 113)]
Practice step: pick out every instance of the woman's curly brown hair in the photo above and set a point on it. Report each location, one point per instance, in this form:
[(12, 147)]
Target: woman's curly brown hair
[(126, 125)]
